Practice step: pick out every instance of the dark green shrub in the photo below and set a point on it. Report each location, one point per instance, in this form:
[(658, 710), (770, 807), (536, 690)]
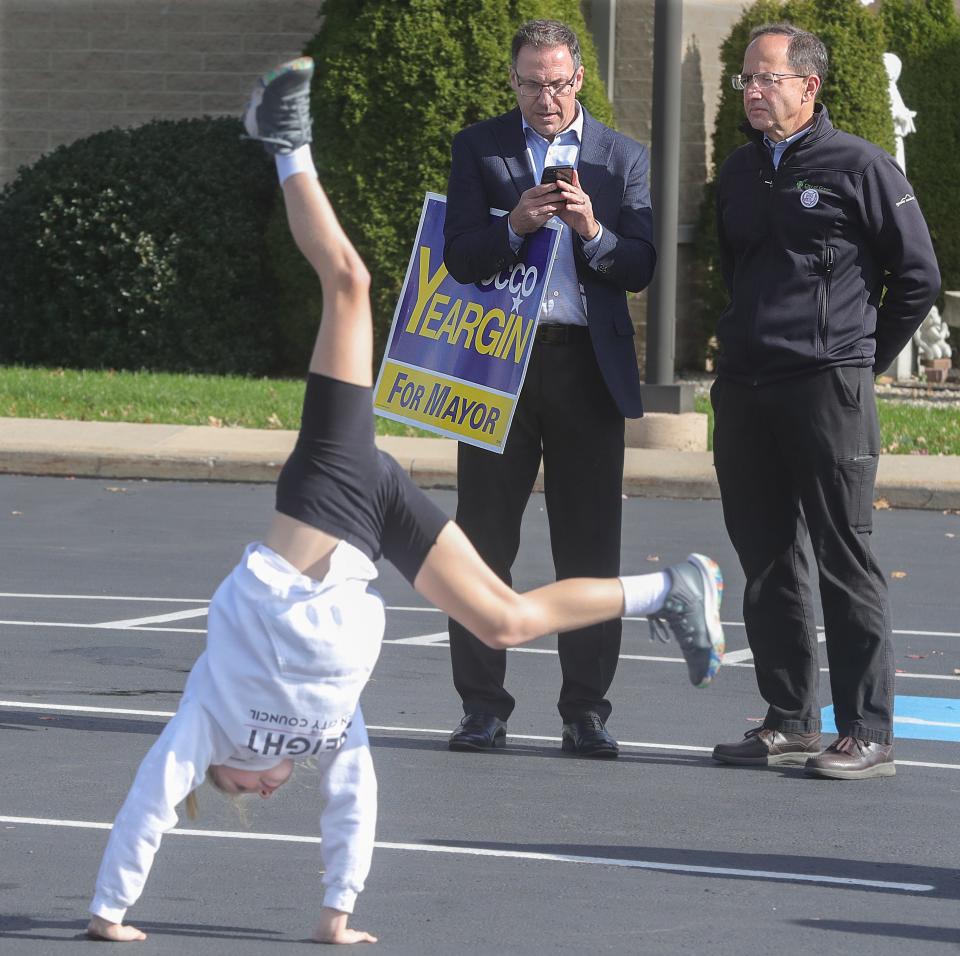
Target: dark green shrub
[(396, 80), (855, 93), (140, 248), (925, 34)]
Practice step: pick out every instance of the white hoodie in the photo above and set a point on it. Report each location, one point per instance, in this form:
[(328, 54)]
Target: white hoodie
[(286, 660)]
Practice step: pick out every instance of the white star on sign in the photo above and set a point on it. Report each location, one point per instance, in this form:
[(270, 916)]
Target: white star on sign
[(517, 299)]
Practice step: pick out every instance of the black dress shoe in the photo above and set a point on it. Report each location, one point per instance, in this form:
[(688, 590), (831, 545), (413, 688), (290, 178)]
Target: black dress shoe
[(479, 732), (589, 738)]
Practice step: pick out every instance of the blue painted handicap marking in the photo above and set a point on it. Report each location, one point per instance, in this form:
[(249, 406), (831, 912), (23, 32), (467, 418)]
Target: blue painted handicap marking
[(916, 718)]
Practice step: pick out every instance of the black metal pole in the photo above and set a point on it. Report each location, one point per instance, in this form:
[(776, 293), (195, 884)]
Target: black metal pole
[(665, 192)]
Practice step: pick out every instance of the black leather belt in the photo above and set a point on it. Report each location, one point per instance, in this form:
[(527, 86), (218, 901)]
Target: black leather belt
[(553, 333)]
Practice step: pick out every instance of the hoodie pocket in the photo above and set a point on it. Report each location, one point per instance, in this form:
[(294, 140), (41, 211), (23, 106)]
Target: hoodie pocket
[(333, 637)]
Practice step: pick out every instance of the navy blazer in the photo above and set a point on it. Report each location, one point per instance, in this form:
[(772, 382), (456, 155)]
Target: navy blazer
[(490, 169)]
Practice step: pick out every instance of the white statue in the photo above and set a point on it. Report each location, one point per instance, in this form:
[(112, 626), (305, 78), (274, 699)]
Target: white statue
[(931, 338), (903, 123)]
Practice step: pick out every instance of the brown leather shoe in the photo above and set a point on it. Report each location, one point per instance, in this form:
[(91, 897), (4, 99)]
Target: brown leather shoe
[(764, 747), (850, 758)]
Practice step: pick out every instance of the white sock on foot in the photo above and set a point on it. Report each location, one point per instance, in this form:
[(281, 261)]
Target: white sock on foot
[(299, 161), (644, 593)]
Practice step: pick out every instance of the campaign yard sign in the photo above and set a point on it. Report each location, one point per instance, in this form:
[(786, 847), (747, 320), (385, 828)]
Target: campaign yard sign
[(457, 354)]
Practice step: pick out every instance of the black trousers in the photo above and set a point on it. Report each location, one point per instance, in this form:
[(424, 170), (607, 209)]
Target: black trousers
[(566, 416), (798, 459)]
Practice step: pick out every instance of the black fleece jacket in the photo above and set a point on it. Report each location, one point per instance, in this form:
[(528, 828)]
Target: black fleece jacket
[(807, 251)]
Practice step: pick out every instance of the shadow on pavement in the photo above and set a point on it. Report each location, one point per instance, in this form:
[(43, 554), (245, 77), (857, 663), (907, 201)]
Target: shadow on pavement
[(928, 934)]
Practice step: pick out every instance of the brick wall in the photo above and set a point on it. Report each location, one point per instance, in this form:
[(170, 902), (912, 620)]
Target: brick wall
[(71, 67)]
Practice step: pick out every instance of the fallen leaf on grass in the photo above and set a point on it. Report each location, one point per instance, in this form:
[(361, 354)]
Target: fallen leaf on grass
[(274, 421), (214, 422), (881, 504), (898, 574)]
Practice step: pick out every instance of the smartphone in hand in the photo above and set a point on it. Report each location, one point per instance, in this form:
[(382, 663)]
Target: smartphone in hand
[(552, 173)]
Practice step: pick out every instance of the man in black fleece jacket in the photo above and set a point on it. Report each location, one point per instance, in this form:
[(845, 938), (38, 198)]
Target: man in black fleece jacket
[(830, 270)]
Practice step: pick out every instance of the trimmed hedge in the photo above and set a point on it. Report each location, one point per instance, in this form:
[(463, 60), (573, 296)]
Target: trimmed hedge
[(140, 248), (855, 94), (396, 80), (925, 34)]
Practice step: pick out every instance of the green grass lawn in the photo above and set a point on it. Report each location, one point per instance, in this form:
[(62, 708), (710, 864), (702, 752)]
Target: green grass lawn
[(154, 397), (904, 429), (232, 401)]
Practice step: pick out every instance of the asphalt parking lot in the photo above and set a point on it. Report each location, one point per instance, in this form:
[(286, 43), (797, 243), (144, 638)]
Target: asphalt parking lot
[(525, 850)]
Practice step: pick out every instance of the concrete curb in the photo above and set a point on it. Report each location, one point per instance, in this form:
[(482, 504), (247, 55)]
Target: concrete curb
[(124, 450), (119, 450)]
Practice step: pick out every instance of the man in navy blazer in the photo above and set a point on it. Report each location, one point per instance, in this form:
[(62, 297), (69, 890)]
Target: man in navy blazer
[(582, 381)]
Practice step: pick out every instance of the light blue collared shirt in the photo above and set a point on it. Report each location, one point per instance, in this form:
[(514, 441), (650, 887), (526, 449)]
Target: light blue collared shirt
[(564, 302), (777, 149)]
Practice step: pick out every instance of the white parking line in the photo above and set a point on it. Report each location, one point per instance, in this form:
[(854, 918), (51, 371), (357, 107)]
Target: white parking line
[(440, 639), (784, 876), (132, 622), (431, 731), (100, 627), (740, 658), (104, 597), (413, 609)]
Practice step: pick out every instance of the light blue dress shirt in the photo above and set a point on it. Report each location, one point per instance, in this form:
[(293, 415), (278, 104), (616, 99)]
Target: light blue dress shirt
[(564, 302), (777, 149)]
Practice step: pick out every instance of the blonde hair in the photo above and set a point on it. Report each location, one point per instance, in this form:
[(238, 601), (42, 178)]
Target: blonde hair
[(192, 805)]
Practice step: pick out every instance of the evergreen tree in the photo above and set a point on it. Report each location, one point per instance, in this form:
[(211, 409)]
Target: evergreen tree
[(396, 80), (925, 34)]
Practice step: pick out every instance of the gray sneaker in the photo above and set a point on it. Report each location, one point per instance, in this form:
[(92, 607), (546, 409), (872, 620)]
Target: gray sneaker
[(278, 114), (691, 615)]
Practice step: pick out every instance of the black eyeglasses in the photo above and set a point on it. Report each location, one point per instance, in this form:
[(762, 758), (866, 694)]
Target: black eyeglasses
[(741, 81), (532, 90)]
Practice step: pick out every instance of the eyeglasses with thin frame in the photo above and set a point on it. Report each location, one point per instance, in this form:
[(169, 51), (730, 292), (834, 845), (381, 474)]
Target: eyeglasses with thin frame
[(532, 90), (741, 81)]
